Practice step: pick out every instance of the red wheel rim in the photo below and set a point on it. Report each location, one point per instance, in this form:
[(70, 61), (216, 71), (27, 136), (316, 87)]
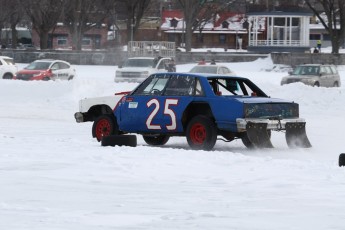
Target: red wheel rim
[(102, 128), (198, 134)]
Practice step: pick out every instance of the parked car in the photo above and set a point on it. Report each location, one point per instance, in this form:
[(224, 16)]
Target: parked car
[(216, 69), (7, 67), (47, 69), (137, 69), (198, 106), (315, 75)]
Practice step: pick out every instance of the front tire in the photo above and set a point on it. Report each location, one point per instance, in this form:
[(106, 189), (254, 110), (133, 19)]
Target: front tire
[(156, 140), (104, 125), (201, 133)]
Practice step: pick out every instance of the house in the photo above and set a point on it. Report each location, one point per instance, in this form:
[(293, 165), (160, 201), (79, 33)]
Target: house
[(224, 30), (61, 38)]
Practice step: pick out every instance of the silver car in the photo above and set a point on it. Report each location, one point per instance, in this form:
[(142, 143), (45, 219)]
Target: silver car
[(315, 75), (216, 69)]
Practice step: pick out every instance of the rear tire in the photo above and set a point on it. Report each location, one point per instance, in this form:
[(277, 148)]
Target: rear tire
[(156, 140), (316, 84), (201, 133), (336, 84), (248, 143), (104, 125), (342, 159), (7, 76), (119, 140)]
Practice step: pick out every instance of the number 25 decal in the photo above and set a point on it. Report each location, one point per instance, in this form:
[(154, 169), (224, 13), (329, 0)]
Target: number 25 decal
[(167, 111)]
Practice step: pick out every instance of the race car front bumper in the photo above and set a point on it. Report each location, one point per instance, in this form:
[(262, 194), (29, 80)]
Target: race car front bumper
[(272, 124)]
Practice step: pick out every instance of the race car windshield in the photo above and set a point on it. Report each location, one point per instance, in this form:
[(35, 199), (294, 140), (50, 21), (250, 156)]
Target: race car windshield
[(139, 63), (306, 70), (38, 66)]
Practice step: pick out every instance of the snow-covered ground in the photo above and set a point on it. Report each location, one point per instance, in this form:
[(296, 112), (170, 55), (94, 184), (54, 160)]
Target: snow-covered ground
[(55, 176)]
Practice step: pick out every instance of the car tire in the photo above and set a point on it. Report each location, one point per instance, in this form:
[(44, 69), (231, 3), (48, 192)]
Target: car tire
[(156, 140), (248, 143), (70, 78), (119, 140), (342, 159), (316, 84), (201, 133), (336, 84), (46, 79), (7, 76), (104, 125)]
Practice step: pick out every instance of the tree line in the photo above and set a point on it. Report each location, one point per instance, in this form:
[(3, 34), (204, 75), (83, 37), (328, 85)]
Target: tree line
[(80, 16)]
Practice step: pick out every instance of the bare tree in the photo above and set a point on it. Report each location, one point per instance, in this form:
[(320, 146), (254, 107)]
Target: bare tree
[(44, 15), (15, 16), (83, 15), (134, 10), (4, 16), (197, 13), (334, 22)]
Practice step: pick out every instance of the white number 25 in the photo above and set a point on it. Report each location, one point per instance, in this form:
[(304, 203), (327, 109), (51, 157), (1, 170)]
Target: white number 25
[(167, 111)]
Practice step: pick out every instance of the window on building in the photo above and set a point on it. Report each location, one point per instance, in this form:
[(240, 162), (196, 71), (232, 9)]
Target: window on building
[(62, 40), (225, 25), (315, 37), (86, 41), (222, 38), (200, 37), (326, 37)]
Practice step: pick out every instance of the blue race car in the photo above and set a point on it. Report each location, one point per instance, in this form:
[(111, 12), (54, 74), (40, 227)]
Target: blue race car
[(203, 107)]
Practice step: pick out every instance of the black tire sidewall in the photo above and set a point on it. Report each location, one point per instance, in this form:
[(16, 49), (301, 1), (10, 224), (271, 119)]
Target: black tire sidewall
[(342, 159), (211, 133), (246, 141), (119, 140), (7, 76)]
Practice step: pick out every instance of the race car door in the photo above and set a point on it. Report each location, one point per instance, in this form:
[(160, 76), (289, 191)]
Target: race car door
[(153, 107)]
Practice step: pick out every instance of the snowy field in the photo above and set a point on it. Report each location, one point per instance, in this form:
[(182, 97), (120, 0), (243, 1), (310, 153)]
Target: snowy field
[(55, 176)]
